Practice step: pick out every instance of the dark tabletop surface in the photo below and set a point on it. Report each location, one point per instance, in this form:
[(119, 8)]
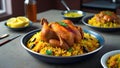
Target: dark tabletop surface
[(13, 55)]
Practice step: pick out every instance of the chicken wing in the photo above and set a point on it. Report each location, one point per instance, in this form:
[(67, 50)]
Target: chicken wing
[(46, 32)]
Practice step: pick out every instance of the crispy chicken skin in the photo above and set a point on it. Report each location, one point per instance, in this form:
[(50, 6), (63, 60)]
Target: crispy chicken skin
[(64, 33), (46, 32), (61, 36), (78, 33)]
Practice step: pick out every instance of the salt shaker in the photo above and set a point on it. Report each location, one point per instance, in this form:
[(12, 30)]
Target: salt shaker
[(31, 10)]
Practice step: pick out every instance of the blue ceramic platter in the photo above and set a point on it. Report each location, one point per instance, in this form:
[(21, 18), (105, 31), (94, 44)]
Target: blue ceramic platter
[(85, 21), (59, 60)]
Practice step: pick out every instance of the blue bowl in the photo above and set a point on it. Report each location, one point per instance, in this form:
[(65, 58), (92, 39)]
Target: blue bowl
[(60, 59), (85, 21), (105, 57), (74, 19)]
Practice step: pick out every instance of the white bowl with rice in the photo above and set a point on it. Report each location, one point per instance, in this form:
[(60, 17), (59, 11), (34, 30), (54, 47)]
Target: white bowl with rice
[(107, 56)]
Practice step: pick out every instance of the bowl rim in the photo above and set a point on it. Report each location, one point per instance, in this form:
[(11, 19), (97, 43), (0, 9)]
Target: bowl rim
[(105, 57), (90, 16), (91, 32), (30, 23), (66, 11)]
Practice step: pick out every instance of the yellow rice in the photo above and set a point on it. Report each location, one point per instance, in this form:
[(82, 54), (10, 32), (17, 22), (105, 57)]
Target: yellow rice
[(93, 21), (89, 43), (114, 61)]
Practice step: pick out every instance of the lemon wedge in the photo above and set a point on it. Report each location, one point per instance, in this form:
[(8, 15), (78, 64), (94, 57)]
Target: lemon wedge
[(11, 20), (23, 19), (18, 22)]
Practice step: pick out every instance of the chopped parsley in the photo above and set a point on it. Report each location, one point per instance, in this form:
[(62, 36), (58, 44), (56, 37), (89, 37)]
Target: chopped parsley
[(70, 50), (63, 24), (108, 13), (118, 60)]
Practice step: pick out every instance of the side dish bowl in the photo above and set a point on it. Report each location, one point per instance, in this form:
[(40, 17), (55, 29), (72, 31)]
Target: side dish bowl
[(18, 29), (60, 59), (75, 18), (105, 57), (85, 21)]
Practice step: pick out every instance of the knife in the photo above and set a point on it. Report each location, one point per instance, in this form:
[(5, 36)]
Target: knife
[(9, 40)]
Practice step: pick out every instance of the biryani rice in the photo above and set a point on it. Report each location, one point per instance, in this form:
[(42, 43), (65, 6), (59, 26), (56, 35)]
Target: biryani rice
[(114, 61), (105, 19), (88, 44), (96, 23)]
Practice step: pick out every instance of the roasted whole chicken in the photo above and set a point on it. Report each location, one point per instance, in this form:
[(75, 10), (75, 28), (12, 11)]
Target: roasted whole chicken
[(61, 34)]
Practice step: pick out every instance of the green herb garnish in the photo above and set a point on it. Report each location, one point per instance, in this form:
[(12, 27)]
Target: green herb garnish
[(41, 40), (49, 52), (108, 13), (70, 50), (118, 60), (63, 24)]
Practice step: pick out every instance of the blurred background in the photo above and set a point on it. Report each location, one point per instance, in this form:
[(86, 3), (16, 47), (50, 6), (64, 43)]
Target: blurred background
[(10, 8)]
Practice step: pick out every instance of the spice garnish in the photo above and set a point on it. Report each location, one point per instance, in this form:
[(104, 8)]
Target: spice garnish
[(108, 13), (70, 49), (62, 24)]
